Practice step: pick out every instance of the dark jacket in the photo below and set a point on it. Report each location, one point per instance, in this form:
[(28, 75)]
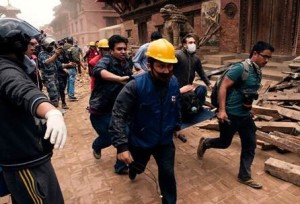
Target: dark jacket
[(21, 133), (151, 111), (105, 92), (186, 67)]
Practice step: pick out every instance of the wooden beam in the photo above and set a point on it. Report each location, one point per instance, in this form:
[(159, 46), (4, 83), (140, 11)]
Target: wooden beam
[(266, 111), (210, 125), (295, 97), (283, 170), (286, 112), (292, 128), (261, 91), (278, 141), (292, 138), (265, 126)]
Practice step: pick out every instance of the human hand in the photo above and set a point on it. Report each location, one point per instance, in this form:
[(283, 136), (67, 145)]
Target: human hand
[(187, 88), (210, 87), (125, 157), (123, 79), (66, 71), (222, 116), (56, 128)]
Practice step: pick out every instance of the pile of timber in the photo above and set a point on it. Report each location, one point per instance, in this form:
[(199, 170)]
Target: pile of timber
[(276, 114), (279, 106)]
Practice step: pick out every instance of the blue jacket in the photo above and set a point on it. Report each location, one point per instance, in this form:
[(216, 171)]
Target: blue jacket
[(153, 112)]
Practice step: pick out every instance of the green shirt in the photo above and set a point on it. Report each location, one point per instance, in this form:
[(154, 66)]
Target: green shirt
[(235, 96)]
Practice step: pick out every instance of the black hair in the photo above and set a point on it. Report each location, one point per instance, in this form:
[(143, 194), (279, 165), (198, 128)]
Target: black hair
[(151, 61), (261, 46), (114, 39), (189, 35), (155, 35)]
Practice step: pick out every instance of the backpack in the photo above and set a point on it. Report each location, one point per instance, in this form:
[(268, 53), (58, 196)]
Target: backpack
[(215, 89)]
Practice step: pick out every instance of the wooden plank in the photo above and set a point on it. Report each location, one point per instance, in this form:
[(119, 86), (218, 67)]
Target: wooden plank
[(210, 125), (264, 88), (265, 145), (285, 111), (258, 110), (261, 91), (284, 85), (292, 128), (285, 127), (278, 141), (292, 138), (283, 170), (274, 96), (264, 117)]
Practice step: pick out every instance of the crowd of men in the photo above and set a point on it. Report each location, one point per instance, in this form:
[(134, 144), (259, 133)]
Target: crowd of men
[(136, 113)]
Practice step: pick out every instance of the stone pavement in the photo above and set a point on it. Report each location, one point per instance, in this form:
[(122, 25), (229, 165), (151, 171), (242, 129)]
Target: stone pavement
[(85, 180)]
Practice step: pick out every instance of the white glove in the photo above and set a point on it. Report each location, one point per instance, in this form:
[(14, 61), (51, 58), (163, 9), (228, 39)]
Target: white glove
[(56, 128)]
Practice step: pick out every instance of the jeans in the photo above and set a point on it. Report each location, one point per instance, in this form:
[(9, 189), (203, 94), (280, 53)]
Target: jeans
[(164, 156), (101, 123), (71, 82), (246, 128)]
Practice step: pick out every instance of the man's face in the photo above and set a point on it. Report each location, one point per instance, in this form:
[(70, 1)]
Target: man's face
[(119, 50), (189, 41), (31, 47), (104, 51), (261, 58), (162, 71)]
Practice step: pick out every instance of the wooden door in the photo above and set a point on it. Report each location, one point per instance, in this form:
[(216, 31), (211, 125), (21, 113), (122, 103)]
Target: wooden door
[(273, 21)]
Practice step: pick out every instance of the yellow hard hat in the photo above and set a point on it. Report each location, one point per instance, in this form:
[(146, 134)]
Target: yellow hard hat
[(162, 50), (92, 43), (103, 43)]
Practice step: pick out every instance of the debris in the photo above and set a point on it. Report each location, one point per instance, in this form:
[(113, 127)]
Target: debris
[(283, 170)]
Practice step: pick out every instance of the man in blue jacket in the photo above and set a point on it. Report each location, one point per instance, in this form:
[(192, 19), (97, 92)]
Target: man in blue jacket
[(145, 116)]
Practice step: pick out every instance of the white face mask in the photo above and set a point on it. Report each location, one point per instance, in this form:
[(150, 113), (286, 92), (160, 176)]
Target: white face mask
[(191, 48)]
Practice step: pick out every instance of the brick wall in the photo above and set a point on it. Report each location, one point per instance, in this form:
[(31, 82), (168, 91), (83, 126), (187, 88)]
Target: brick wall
[(229, 34)]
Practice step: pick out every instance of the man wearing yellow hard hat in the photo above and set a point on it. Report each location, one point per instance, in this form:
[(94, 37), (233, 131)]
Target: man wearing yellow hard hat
[(90, 54), (103, 49), (145, 115)]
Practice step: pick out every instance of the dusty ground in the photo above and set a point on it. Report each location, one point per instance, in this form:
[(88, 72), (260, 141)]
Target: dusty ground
[(85, 180)]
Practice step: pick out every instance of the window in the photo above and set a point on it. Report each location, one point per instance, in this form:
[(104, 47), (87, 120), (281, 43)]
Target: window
[(110, 21), (128, 33)]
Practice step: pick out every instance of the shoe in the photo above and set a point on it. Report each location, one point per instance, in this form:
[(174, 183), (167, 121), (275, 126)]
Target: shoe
[(64, 106), (97, 155), (73, 98), (123, 171), (251, 183), (131, 174), (55, 104), (201, 148)]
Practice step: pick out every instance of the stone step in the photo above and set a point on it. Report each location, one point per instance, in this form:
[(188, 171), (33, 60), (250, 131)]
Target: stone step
[(294, 66), (218, 58)]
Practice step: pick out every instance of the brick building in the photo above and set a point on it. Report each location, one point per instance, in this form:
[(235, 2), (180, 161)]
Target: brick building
[(243, 22), (82, 19)]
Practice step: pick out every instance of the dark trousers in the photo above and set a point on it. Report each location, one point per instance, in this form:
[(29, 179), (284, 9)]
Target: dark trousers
[(246, 128), (36, 185), (164, 156), (62, 80), (101, 124)]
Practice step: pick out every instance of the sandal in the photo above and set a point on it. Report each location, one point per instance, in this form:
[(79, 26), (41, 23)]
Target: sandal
[(251, 183)]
